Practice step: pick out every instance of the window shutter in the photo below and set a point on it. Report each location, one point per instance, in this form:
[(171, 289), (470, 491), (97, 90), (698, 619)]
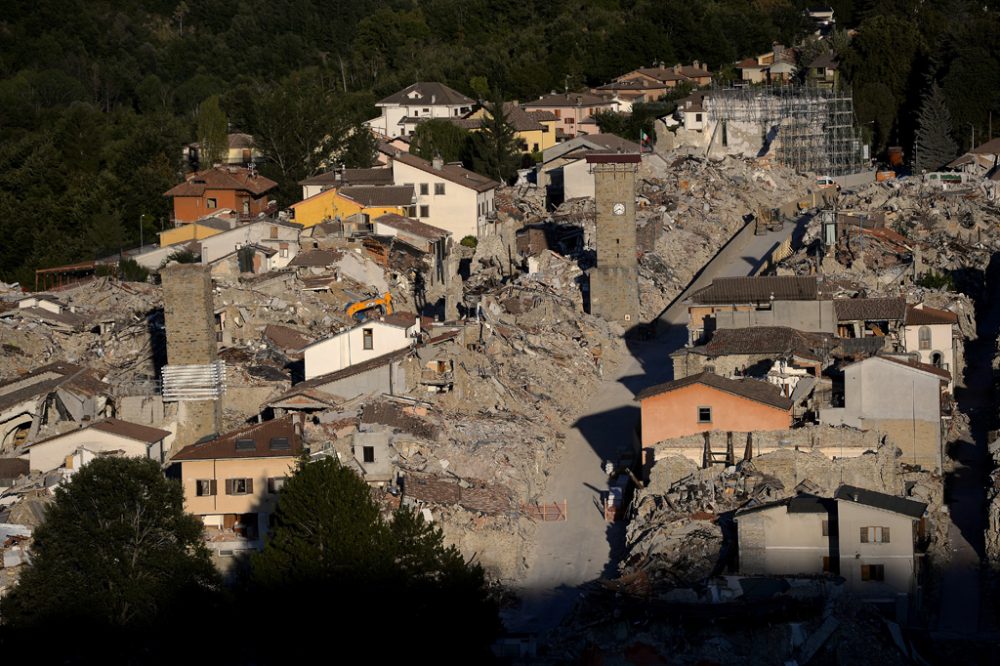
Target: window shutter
[(250, 486), (213, 487), (865, 572), (885, 535), (229, 486), (864, 535)]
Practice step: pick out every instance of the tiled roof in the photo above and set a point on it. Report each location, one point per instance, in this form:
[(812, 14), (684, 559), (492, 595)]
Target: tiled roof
[(749, 63), (378, 195), (758, 290), (751, 389), (907, 507), (451, 172), (870, 309), (917, 365), (926, 316), (661, 73), (767, 340), (271, 439), (286, 338), (221, 178), (826, 60), (380, 176), (411, 226), (403, 319), (315, 258), (567, 99), (349, 371), (46, 379), (67, 319), (430, 93), (796, 504), (131, 430), (542, 116)]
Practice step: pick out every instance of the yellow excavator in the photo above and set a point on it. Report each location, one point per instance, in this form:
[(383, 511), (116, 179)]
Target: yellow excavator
[(358, 309)]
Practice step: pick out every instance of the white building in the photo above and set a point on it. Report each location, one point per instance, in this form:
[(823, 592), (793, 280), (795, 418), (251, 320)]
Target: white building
[(932, 335), (281, 237), (105, 437), (364, 342), (564, 171), (404, 110), (448, 196)]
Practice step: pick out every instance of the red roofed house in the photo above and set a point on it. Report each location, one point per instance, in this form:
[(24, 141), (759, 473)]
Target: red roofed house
[(105, 437), (707, 402), (205, 192), (232, 481)]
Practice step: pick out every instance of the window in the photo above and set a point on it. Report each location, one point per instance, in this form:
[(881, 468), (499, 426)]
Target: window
[(246, 445), (239, 486), (924, 337), (567, 121), (704, 415), (368, 335), (280, 444), (826, 530), (557, 113), (423, 189), (275, 484), (438, 188), (368, 453), (211, 202), (534, 147), (874, 535), (873, 572), (284, 250), (205, 487), (425, 211), (426, 111), (697, 117), (274, 232)]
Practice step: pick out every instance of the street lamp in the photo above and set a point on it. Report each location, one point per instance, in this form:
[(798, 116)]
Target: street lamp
[(973, 135), (141, 218)]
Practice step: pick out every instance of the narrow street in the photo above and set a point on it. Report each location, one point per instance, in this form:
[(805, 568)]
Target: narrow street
[(568, 555), (965, 490)]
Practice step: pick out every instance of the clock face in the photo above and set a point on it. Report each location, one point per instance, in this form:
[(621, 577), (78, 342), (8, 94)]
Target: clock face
[(618, 209)]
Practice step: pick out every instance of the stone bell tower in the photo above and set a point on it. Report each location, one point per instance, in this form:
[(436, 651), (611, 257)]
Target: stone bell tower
[(614, 282)]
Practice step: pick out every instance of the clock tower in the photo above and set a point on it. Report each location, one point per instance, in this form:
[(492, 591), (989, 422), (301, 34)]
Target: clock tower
[(614, 282)]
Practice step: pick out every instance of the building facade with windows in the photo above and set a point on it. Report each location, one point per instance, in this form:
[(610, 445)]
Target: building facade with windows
[(447, 196), (231, 481), (361, 343), (244, 191), (933, 336), (869, 538), (402, 111), (707, 402)]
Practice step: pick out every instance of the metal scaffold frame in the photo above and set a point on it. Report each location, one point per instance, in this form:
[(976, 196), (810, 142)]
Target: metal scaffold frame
[(807, 128)]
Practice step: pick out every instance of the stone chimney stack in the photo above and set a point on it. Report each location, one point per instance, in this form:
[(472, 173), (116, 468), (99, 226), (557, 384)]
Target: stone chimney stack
[(437, 163)]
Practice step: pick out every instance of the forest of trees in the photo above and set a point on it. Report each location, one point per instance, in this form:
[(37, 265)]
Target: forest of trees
[(97, 97)]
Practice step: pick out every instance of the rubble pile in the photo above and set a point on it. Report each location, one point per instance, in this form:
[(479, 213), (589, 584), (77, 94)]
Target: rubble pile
[(680, 527)]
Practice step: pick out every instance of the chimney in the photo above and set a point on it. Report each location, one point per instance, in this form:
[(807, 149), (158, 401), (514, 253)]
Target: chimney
[(677, 68), (417, 324), (437, 163), (433, 99), (696, 64)]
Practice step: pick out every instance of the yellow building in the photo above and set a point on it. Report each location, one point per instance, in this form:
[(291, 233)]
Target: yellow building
[(535, 130), (195, 231), (348, 200), (232, 481)]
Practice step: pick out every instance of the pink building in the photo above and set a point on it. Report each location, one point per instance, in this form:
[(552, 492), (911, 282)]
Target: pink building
[(570, 109)]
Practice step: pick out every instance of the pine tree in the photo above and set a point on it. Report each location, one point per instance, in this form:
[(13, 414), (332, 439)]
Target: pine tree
[(494, 147), (934, 145)]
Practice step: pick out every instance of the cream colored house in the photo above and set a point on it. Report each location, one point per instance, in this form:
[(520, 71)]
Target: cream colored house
[(448, 196), (106, 437), (364, 342), (232, 481), (404, 110), (867, 537), (932, 334)]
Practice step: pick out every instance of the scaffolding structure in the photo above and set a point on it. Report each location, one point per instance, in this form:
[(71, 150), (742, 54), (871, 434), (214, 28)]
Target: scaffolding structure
[(806, 128)]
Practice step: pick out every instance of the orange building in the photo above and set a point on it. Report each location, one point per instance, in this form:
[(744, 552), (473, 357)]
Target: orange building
[(205, 192), (706, 402)]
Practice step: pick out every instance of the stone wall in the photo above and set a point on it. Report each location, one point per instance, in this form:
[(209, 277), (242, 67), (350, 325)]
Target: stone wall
[(828, 441)]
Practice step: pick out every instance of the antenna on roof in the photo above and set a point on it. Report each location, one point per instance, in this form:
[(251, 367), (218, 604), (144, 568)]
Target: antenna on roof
[(252, 169)]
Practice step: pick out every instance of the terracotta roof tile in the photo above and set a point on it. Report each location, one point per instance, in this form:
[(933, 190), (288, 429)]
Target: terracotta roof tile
[(567, 99), (768, 340), (870, 309), (926, 316), (411, 226), (751, 389), (758, 290), (878, 500), (378, 195), (270, 439), (451, 172), (221, 178), (430, 93), (286, 338)]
